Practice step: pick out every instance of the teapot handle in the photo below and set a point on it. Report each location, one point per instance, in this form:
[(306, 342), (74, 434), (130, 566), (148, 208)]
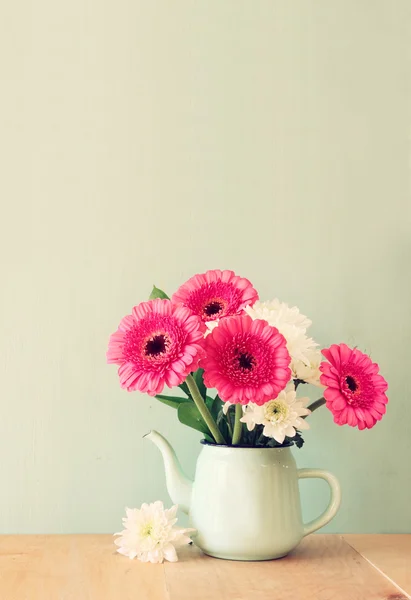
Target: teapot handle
[(335, 499)]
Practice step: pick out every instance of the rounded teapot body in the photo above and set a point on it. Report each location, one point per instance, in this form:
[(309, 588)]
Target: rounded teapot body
[(245, 503)]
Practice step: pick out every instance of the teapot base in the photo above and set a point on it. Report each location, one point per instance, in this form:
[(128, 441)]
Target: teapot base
[(243, 558)]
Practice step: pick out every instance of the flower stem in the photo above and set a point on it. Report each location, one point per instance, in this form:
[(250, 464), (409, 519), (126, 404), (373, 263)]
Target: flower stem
[(230, 428), (238, 426), (316, 404), (203, 410)]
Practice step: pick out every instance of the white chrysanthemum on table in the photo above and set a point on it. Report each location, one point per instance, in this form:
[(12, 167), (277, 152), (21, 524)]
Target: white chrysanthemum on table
[(290, 323), (281, 417), (149, 534)]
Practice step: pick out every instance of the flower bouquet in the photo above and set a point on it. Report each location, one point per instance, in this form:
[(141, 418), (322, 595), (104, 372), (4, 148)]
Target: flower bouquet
[(214, 333), (240, 365)]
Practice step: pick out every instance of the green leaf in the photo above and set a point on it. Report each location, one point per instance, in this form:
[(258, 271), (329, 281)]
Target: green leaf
[(188, 415), (157, 293), (214, 405), (183, 386), (298, 440), (198, 378), (173, 401)]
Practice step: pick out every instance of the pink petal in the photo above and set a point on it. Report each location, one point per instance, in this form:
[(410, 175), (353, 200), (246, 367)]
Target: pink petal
[(329, 381), (351, 418), (332, 394), (127, 323), (142, 309), (332, 355), (345, 353), (369, 420), (172, 379)]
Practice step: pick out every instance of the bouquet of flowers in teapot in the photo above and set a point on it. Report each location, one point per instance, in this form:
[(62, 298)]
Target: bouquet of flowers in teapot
[(215, 334)]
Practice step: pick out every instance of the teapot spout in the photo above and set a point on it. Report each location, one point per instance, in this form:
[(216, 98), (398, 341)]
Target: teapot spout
[(178, 485)]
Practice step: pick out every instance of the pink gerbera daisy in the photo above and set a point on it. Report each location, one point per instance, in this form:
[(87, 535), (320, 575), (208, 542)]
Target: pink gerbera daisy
[(246, 360), (355, 391), (159, 343), (216, 294)]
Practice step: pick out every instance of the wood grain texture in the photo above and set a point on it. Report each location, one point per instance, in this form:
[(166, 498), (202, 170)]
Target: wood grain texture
[(323, 567), (74, 567), (86, 567), (390, 553)]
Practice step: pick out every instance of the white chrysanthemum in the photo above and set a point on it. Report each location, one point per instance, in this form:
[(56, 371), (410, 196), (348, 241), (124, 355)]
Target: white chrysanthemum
[(210, 326), (280, 417), (310, 373), (226, 406), (290, 322), (149, 534)]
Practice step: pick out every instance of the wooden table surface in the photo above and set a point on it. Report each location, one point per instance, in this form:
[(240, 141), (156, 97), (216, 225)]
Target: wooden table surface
[(323, 567)]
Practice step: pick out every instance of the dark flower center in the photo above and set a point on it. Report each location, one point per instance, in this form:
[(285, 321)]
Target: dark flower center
[(351, 383), (212, 308), (155, 346), (246, 361)]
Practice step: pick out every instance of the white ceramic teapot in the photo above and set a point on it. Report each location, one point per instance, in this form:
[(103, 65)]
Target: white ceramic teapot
[(244, 502)]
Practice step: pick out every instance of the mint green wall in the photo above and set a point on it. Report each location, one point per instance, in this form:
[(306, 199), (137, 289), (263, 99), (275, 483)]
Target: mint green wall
[(145, 141)]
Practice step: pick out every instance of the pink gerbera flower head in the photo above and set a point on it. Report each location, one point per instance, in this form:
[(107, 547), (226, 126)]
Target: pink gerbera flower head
[(216, 294), (246, 360), (159, 343), (355, 392)]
